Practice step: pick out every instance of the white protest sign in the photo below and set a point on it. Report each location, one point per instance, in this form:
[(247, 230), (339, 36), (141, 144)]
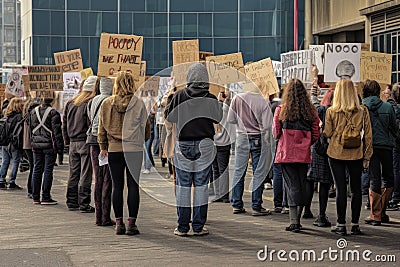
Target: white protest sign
[(72, 80), (277, 68), (164, 86), (318, 57), (342, 60), (15, 84), (297, 65)]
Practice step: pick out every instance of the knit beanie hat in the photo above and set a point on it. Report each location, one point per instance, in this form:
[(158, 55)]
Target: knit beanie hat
[(89, 85)]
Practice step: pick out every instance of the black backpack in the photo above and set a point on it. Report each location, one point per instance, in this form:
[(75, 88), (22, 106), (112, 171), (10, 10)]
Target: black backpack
[(15, 137), (4, 137)]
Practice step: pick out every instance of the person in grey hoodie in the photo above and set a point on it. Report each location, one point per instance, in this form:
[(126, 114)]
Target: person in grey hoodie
[(194, 110), (103, 183)]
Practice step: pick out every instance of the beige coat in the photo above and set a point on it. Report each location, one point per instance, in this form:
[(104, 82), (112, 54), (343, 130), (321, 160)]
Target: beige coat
[(334, 126), (170, 139)]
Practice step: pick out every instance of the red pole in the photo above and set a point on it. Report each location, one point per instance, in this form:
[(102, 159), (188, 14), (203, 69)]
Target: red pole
[(296, 25)]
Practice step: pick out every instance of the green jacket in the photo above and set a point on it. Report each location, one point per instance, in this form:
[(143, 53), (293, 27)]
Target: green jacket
[(383, 122)]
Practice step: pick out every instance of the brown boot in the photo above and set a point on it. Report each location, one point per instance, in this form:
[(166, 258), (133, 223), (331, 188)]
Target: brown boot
[(132, 228), (119, 227), (386, 196), (376, 209)]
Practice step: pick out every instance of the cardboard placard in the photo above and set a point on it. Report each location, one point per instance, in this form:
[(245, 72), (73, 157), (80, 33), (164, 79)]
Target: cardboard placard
[(15, 84), (365, 47), (263, 75), (297, 65), (225, 69), (44, 94), (142, 75), (342, 60), (25, 81), (86, 73), (318, 57), (72, 80), (70, 61), (277, 68), (186, 51), (45, 78), (376, 66), (2, 89), (120, 52), (204, 55), (150, 86)]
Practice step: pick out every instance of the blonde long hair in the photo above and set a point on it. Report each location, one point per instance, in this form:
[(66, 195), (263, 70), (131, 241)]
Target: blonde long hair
[(16, 105), (345, 98), (124, 84), (82, 97)]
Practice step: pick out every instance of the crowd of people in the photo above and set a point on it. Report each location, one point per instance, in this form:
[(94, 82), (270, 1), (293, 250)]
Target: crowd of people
[(349, 141)]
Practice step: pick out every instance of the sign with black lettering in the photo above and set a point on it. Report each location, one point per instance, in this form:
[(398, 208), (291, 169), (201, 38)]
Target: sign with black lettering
[(297, 65), (45, 78), (70, 61), (15, 84), (225, 69), (184, 54), (263, 75), (120, 52), (342, 60), (318, 57)]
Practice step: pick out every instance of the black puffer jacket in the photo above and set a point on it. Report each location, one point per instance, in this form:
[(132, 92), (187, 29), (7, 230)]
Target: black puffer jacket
[(43, 139)]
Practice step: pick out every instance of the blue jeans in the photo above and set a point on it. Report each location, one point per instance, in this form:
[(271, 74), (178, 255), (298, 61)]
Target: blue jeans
[(193, 161), (44, 166), (396, 169), (278, 185), (13, 157), (148, 155), (257, 146)]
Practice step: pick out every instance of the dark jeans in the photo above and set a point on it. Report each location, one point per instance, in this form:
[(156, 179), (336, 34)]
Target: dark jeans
[(256, 146), (43, 167), (220, 168), (102, 187), (295, 175), (193, 167), (118, 163), (365, 183), (396, 170), (80, 176), (148, 155), (29, 155), (156, 142), (338, 168), (278, 185), (381, 170)]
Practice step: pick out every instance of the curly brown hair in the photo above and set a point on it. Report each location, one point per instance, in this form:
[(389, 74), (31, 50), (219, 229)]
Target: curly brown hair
[(296, 104)]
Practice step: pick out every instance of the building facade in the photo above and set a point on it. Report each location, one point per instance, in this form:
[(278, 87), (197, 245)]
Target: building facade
[(257, 28), (10, 32), (376, 22)]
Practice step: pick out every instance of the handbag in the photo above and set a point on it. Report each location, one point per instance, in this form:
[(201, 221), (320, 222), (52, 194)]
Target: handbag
[(92, 139)]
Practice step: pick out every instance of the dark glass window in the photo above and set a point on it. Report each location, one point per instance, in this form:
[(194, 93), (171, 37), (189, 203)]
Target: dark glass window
[(246, 24), (125, 23), (225, 46), (160, 53), (156, 5), (109, 5), (148, 52), (48, 4), (225, 24), (175, 25), (57, 44), (82, 43), (221, 5), (110, 22), (57, 23), (205, 44), (205, 25), (96, 22), (41, 22), (267, 47), (190, 25), (74, 23), (258, 5), (194, 6), (41, 50), (247, 48), (78, 4), (93, 58), (129, 5), (160, 25), (266, 23), (143, 24)]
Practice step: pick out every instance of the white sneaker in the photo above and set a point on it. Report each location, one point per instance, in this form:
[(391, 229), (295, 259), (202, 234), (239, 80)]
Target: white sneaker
[(146, 171), (268, 186), (285, 210)]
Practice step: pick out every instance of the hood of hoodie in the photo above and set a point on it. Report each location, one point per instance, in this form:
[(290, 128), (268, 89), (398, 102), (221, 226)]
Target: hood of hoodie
[(372, 102), (197, 80), (124, 103), (106, 86)]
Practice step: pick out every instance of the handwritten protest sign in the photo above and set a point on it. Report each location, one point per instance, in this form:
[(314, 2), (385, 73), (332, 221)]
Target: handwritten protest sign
[(225, 69), (86, 73), (120, 52), (318, 57), (342, 60), (150, 86), (376, 66), (25, 81), (263, 75), (15, 85), (45, 78), (70, 61), (297, 64), (186, 51), (277, 68)]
